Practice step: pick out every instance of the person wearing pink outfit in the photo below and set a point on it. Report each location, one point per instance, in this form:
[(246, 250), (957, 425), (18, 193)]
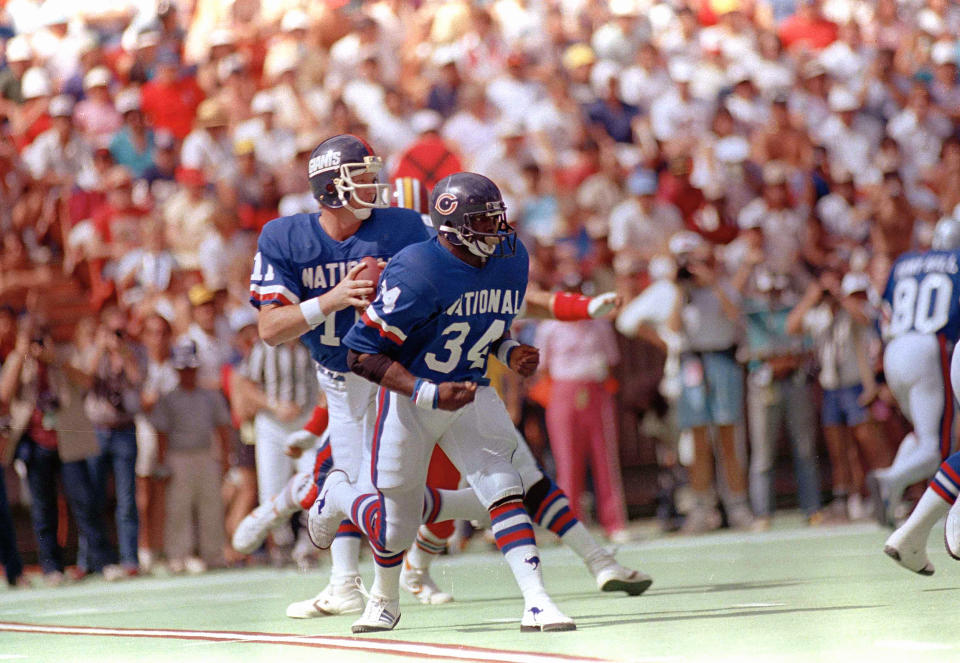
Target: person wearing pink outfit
[(581, 415)]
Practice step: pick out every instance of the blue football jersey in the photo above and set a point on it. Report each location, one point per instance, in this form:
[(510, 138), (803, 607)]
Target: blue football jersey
[(437, 315), (923, 293), (297, 260)]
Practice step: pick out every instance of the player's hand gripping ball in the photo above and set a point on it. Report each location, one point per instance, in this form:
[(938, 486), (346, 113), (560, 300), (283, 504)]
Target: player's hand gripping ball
[(371, 270)]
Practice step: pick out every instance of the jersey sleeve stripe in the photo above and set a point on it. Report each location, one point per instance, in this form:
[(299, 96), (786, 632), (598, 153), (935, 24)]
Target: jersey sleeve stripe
[(371, 319), (275, 291)]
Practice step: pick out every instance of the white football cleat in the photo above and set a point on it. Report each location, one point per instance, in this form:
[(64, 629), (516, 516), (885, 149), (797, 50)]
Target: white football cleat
[(253, 529), (419, 583), (380, 615), (911, 555), (544, 615), (325, 519), (951, 531), (345, 599), (613, 577)]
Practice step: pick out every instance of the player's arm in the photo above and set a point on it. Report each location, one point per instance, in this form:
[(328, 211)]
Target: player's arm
[(522, 359), (394, 376), (278, 323), (568, 306)]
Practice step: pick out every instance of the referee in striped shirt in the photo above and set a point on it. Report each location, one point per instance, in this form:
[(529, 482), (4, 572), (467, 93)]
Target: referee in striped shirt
[(286, 377)]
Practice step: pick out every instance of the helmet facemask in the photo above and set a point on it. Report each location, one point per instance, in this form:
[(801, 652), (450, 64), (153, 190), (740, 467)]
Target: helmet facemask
[(486, 233), (347, 189)]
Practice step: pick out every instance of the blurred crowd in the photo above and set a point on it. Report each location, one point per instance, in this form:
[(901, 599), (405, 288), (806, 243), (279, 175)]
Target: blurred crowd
[(741, 172)]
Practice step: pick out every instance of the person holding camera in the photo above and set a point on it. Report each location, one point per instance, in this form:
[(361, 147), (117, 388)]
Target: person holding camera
[(710, 406), (118, 370), (41, 389), (838, 321)]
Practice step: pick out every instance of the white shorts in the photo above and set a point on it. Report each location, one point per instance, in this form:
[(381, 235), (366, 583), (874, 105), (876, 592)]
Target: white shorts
[(479, 439), (917, 370), (351, 403)]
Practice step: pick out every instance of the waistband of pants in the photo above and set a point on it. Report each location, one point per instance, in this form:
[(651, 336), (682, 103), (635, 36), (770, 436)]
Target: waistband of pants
[(333, 375)]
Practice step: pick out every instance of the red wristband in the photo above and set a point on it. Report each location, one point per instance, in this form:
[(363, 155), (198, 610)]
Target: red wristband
[(318, 422), (570, 306)]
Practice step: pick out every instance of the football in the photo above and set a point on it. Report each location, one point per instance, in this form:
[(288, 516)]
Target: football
[(371, 270)]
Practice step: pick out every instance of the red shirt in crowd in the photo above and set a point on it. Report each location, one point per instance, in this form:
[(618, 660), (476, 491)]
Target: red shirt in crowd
[(120, 225), (814, 33), (172, 106)]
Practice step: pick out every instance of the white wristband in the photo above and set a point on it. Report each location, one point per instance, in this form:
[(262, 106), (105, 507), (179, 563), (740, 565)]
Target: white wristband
[(425, 395), (312, 312), (503, 352)]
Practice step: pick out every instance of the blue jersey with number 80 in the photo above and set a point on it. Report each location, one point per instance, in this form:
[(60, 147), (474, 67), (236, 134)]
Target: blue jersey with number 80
[(437, 316), (923, 293), (297, 260)]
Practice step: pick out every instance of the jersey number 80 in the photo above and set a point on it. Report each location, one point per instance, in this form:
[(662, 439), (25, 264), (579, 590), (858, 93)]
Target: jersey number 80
[(922, 306)]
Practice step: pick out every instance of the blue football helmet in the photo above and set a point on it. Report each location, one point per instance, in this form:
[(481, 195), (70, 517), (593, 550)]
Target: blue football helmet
[(335, 163), (468, 210)]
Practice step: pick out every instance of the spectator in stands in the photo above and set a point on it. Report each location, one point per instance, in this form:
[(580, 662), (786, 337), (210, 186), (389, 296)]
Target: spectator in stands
[(840, 325), (170, 99), (196, 464), (9, 555), (153, 476), (132, 145), (36, 385), (210, 333), (581, 420), (187, 216), (118, 370), (705, 316)]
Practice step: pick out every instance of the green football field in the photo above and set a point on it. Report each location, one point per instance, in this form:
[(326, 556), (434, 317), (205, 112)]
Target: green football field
[(794, 594)]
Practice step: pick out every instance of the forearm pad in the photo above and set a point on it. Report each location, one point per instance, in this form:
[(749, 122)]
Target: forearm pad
[(373, 367)]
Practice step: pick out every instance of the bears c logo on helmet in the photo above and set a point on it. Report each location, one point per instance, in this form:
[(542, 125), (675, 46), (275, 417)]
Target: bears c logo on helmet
[(446, 203)]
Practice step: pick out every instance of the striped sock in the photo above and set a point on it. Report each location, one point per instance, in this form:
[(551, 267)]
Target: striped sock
[(513, 533), (946, 482), (934, 503), (429, 545), (549, 508)]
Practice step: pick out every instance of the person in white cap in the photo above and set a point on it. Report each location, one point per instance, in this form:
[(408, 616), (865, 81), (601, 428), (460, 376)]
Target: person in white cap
[(851, 138), (60, 154), (18, 56), (676, 117), (96, 115), (919, 129), (195, 467), (705, 316), (274, 145), (841, 326)]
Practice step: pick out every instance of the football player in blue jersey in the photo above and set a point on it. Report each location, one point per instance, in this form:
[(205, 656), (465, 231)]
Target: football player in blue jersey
[(544, 501), (443, 305), (305, 285), (922, 299), (923, 291)]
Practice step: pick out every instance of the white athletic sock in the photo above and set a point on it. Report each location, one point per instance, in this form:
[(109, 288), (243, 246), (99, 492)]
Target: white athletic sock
[(386, 576), (928, 511), (917, 462), (344, 559)]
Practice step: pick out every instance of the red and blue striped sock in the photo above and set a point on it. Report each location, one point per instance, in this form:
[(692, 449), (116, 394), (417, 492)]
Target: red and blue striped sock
[(513, 533), (946, 482)]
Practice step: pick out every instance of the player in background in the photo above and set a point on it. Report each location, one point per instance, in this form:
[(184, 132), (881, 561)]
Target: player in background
[(305, 284), (443, 306), (923, 299), (940, 271)]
